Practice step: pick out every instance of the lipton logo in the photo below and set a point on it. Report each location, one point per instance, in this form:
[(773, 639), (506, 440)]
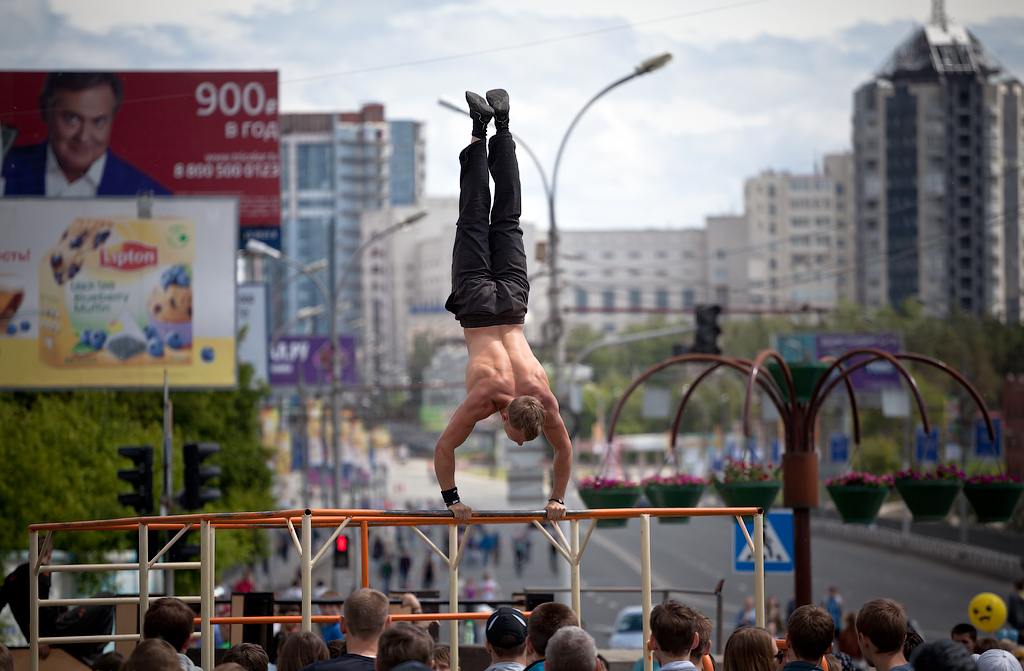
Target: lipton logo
[(128, 256)]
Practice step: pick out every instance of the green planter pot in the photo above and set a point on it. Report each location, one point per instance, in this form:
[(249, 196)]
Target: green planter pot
[(749, 494), (805, 377), (674, 496), (929, 500), (622, 497), (995, 501), (858, 504)]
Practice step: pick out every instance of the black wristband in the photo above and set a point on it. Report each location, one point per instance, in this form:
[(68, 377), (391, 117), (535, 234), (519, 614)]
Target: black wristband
[(557, 501), (450, 496)]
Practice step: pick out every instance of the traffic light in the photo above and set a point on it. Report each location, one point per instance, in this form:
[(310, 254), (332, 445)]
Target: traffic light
[(141, 478), (194, 496), (705, 340), (341, 552)]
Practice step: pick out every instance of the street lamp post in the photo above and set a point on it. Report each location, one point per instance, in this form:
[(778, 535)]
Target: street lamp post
[(331, 301), (556, 327)]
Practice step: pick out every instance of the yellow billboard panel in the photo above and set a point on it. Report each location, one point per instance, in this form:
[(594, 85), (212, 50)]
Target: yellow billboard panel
[(93, 296)]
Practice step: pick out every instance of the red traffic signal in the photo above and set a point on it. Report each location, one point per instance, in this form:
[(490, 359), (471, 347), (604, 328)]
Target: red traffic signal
[(342, 543)]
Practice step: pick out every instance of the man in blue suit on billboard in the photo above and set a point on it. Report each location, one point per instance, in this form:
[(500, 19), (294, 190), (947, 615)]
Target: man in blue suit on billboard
[(75, 160)]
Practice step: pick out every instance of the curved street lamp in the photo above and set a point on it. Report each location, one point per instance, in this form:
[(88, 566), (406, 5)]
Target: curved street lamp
[(555, 327)]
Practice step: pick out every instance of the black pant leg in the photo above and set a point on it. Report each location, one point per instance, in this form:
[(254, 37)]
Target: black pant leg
[(472, 283), (508, 256)]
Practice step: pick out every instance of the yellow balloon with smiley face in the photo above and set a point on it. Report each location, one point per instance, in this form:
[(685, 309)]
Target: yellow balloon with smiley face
[(987, 611)]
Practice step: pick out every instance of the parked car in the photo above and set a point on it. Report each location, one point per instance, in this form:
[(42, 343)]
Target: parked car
[(628, 631)]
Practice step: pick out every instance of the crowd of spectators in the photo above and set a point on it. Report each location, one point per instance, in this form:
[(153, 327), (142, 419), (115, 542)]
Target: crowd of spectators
[(877, 635)]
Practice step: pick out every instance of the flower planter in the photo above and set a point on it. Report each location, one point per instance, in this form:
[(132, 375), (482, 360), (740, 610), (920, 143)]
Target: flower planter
[(759, 494), (674, 496), (805, 377), (994, 501), (858, 504), (929, 500), (617, 497)]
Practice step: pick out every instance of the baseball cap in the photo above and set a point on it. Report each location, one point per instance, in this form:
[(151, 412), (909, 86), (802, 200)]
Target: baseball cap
[(506, 628)]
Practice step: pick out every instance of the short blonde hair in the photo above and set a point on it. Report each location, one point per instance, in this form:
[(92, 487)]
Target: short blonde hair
[(366, 613), (527, 414)]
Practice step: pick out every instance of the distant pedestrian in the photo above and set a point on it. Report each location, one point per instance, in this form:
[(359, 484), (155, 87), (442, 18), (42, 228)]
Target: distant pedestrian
[(1015, 610), (833, 604), (428, 573), (385, 572), (489, 588), (404, 564), (747, 617)]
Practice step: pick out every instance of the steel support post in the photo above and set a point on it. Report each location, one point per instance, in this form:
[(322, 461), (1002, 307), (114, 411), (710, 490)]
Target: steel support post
[(206, 595), (453, 593), (759, 617), (307, 571), (645, 585)]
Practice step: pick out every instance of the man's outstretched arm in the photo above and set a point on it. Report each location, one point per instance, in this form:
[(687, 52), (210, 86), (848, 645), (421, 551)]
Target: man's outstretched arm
[(474, 409), (558, 437)]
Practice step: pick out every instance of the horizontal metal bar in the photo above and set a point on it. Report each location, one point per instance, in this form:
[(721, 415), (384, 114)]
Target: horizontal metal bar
[(58, 640), (541, 590), (100, 568), (93, 601)]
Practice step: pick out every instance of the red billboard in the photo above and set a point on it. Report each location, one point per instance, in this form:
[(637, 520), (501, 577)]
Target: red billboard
[(93, 134)]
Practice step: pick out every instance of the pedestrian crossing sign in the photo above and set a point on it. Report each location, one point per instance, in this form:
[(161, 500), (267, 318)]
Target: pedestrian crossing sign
[(778, 544)]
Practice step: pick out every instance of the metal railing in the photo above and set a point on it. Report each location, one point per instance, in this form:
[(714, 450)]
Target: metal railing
[(571, 549)]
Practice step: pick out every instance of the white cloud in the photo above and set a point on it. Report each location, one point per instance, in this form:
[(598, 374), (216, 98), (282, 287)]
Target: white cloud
[(766, 85)]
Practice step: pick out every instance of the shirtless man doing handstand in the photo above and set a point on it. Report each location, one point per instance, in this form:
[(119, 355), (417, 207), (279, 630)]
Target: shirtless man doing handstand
[(490, 291)]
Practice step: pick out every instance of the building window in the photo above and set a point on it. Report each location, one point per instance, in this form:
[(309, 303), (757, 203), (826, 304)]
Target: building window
[(688, 298), (661, 298), (772, 264), (581, 298), (800, 222), (720, 254), (313, 165), (721, 273), (634, 299), (608, 298)]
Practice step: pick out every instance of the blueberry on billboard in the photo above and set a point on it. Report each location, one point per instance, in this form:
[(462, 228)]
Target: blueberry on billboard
[(94, 134), (92, 295)]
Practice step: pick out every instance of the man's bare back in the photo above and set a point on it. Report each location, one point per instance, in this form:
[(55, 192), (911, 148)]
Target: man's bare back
[(490, 291)]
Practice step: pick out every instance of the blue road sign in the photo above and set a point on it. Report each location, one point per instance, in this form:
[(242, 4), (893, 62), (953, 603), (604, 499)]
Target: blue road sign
[(778, 544), (926, 445), (839, 447), (983, 447)]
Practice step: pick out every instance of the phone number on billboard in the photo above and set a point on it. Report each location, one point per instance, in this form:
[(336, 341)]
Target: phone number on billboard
[(228, 170)]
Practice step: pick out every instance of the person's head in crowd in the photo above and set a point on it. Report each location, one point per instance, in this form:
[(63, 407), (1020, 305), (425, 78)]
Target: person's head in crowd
[(108, 661), (571, 649), (674, 632), (750, 649), (78, 109), (602, 663), (809, 635), (881, 631), (7, 659), (833, 662), (364, 615), (544, 621), (299, 649), (170, 619), (229, 666), (412, 602), (153, 654), (965, 634), (912, 641), (704, 629), (985, 644), (337, 648), (850, 621), (845, 661), (997, 660), (403, 642), (249, 655), (442, 658), (506, 635), (941, 655)]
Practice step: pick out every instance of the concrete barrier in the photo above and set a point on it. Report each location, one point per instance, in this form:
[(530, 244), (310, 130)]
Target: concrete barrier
[(1002, 565)]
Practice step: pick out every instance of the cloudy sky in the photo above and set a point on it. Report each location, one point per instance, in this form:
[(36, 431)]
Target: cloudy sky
[(754, 84)]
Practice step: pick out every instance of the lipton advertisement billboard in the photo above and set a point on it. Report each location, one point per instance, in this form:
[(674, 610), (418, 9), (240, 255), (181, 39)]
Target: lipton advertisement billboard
[(96, 134), (93, 295)]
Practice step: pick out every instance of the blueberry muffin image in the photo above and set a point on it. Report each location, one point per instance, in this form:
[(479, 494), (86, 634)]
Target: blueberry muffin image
[(170, 308), (84, 235)]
